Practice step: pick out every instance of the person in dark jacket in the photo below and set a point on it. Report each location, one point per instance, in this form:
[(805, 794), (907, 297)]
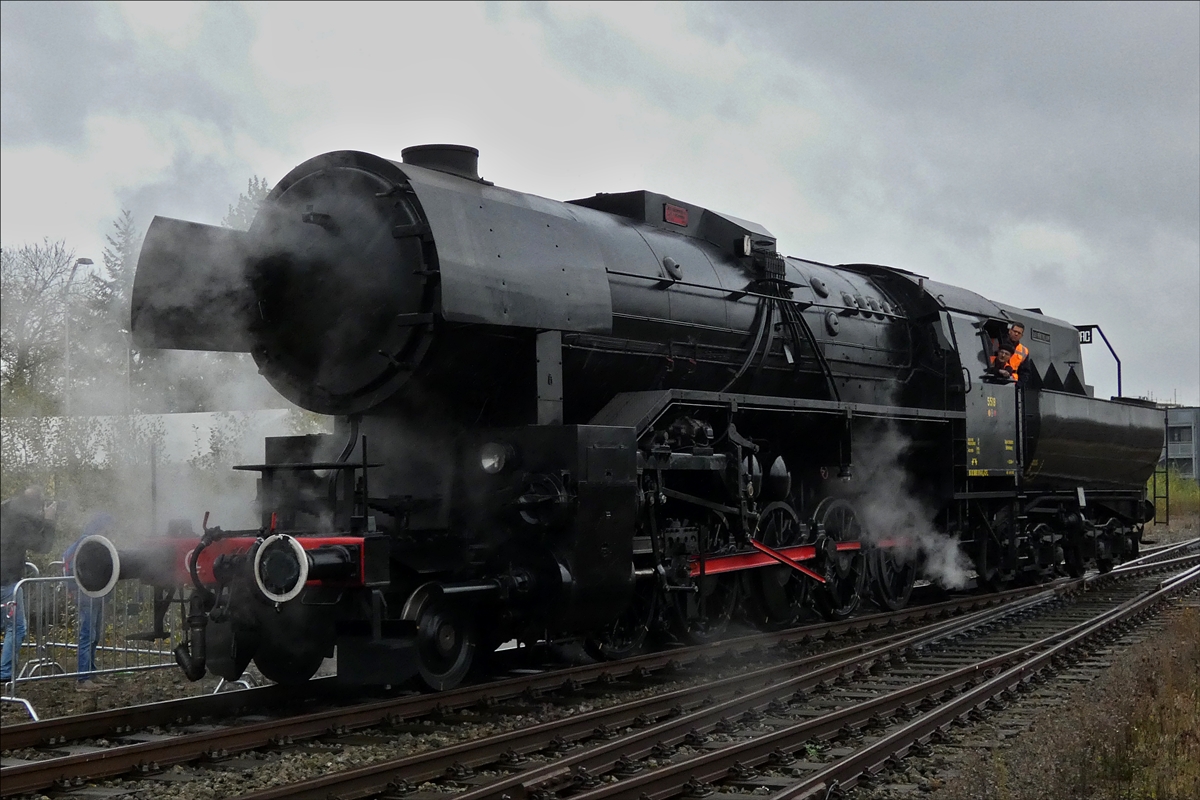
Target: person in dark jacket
[(26, 523)]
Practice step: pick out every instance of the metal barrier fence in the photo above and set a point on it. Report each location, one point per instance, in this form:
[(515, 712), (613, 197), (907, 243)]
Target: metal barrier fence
[(63, 626)]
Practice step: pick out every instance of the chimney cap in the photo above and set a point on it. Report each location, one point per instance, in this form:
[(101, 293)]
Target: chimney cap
[(456, 159)]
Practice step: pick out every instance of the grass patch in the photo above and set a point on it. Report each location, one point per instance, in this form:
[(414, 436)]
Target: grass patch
[(1184, 494), (1157, 754), (1148, 748), (1132, 734)]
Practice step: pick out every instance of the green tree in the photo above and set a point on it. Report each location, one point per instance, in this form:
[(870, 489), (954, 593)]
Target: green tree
[(113, 286), (242, 213), (106, 376)]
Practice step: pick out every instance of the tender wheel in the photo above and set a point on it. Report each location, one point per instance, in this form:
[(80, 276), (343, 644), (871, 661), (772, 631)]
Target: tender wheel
[(1109, 546), (892, 577), (1074, 561), (989, 554), (988, 559), (845, 570), (777, 595), (1043, 548), (446, 638), (627, 635)]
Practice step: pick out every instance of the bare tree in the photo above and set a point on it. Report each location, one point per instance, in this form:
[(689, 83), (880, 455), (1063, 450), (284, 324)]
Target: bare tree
[(33, 280)]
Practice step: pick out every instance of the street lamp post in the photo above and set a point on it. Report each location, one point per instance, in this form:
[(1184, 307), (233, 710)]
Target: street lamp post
[(67, 333)]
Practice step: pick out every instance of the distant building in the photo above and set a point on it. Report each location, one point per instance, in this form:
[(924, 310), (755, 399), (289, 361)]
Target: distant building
[(1182, 453)]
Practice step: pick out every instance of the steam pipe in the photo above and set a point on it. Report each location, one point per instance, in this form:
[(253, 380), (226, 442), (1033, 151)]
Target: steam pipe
[(193, 561), (193, 661)]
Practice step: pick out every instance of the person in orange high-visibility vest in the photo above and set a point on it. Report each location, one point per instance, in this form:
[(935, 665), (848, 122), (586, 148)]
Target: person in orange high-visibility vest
[(998, 371), (1020, 351)]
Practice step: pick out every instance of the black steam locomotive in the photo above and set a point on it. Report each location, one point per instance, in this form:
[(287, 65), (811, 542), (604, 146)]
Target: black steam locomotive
[(612, 419)]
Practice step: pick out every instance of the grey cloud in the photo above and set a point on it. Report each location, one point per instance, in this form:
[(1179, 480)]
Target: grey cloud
[(962, 120), (64, 63), (197, 188), (60, 65), (971, 54), (1072, 111), (604, 58)]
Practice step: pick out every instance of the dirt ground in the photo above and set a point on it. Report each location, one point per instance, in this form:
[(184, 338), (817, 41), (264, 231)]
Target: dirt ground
[(1182, 527), (59, 697)]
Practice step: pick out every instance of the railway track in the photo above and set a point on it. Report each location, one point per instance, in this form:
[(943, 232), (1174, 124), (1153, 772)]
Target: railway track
[(709, 711), (746, 732), (68, 750)]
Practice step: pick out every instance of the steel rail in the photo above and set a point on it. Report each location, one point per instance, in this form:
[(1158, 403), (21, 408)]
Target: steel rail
[(985, 675), (675, 713), (151, 756), (1156, 553), (115, 721), (509, 748), (872, 759)]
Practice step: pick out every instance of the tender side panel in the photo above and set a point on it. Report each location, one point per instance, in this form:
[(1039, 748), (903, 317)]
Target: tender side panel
[(1082, 439)]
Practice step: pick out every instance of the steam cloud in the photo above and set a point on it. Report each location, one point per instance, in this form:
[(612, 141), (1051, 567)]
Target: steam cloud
[(889, 508)]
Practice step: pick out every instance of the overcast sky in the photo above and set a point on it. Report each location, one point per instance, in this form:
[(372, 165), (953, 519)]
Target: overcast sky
[(1040, 154)]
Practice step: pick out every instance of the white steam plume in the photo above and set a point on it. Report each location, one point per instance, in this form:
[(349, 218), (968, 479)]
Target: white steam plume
[(889, 508)]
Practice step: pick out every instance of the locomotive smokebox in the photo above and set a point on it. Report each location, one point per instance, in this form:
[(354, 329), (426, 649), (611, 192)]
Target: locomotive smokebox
[(332, 289), (343, 296)]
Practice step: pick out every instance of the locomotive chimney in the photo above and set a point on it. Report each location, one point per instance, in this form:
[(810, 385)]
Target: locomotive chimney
[(457, 159)]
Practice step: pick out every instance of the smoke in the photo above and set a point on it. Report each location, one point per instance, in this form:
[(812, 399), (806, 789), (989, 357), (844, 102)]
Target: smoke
[(146, 470), (890, 508)]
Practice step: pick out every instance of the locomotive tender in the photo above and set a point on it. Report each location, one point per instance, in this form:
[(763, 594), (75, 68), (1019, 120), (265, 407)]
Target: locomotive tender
[(612, 419)]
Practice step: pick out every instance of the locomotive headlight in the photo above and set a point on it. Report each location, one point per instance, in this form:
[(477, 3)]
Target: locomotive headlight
[(494, 457), (280, 568)]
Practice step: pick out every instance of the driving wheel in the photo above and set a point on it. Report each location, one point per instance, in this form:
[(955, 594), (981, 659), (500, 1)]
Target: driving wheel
[(446, 639), (777, 595), (892, 574), (704, 614), (627, 634), (845, 570)]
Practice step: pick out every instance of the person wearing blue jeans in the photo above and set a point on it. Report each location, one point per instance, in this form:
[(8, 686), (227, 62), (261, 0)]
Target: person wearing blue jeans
[(90, 609), (14, 629), (26, 523), (91, 628)]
